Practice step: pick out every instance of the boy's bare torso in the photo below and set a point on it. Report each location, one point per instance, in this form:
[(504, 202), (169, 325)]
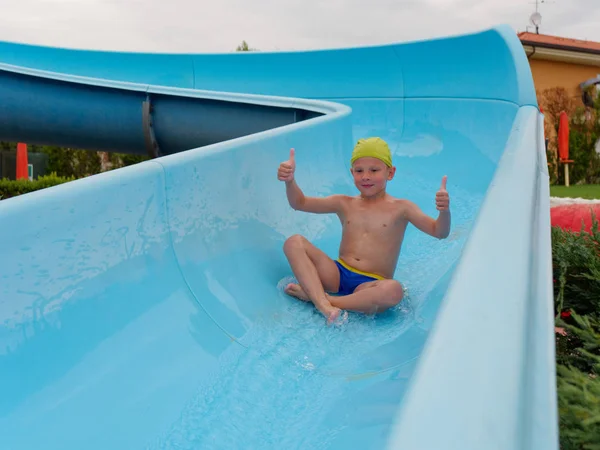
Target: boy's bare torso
[(372, 233)]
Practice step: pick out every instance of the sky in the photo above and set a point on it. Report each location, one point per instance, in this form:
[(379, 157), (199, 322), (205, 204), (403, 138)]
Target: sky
[(271, 25)]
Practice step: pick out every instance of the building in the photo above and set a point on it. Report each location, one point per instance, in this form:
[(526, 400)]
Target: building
[(562, 62)]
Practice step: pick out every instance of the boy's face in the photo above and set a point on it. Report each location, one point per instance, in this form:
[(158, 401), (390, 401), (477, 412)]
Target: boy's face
[(371, 175)]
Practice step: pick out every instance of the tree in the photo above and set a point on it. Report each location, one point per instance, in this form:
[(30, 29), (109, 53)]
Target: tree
[(243, 47), (584, 133)]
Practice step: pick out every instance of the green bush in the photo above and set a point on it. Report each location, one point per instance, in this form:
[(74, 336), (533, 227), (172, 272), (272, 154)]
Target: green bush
[(12, 188), (576, 267), (67, 162)]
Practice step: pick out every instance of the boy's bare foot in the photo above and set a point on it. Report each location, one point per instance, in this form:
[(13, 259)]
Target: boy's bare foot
[(332, 313), (295, 290)]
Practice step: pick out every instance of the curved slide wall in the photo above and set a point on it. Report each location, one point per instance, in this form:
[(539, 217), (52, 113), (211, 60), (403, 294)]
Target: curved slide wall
[(142, 308)]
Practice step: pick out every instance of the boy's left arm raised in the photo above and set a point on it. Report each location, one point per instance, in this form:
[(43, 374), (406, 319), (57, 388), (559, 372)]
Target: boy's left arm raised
[(439, 228)]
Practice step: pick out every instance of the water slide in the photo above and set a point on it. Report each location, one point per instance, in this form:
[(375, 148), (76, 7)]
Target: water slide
[(142, 308)]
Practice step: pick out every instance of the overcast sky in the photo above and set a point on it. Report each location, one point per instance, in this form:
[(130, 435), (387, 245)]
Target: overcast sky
[(220, 25)]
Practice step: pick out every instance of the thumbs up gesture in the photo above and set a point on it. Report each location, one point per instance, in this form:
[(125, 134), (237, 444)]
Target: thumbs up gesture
[(287, 168), (442, 199)]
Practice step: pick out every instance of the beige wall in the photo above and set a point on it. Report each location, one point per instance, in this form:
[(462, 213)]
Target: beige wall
[(550, 74)]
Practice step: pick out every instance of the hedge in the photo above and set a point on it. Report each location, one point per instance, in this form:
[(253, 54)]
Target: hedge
[(12, 188)]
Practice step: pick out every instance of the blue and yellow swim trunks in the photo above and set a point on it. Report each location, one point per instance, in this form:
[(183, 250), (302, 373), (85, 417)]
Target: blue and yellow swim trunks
[(351, 278)]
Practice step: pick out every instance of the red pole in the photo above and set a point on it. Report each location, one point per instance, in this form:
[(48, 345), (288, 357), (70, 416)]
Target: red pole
[(563, 136), (563, 143), (22, 163)]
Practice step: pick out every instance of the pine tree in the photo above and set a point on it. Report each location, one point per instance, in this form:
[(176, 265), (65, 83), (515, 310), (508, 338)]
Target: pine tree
[(579, 391)]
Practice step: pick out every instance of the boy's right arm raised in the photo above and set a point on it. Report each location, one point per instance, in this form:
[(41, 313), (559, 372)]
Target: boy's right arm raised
[(296, 197)]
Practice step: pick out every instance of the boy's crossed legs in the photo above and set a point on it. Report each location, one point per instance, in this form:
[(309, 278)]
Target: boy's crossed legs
[(318, 274)]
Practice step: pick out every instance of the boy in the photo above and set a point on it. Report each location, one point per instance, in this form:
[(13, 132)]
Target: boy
[(373, 226)]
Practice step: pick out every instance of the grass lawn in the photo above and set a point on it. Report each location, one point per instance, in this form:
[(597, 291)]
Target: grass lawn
[(589, 191)]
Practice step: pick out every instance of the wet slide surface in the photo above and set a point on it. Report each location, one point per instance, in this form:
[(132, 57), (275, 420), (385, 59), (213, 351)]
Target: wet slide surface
[(144, 308)]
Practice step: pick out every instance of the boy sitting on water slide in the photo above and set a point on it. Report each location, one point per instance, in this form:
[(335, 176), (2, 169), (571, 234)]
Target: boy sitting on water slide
[(373, 226)]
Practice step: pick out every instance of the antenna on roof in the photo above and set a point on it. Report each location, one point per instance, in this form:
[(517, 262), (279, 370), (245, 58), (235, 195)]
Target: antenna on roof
[(536, 20), (536, 17)]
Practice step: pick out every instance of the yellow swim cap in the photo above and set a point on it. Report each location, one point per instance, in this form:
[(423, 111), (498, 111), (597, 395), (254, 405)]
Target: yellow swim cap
[(373, 147)]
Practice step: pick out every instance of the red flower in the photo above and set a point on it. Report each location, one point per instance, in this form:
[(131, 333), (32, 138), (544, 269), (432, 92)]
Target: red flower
[(565, 314)]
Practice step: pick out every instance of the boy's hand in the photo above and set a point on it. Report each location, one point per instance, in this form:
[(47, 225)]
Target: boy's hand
[(287, 168), (442, 200)]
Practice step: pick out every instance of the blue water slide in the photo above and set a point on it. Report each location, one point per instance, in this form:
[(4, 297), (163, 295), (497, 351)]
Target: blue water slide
[(142, 308)]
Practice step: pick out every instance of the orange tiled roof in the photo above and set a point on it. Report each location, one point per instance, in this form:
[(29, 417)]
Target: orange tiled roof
[(559, 42)]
